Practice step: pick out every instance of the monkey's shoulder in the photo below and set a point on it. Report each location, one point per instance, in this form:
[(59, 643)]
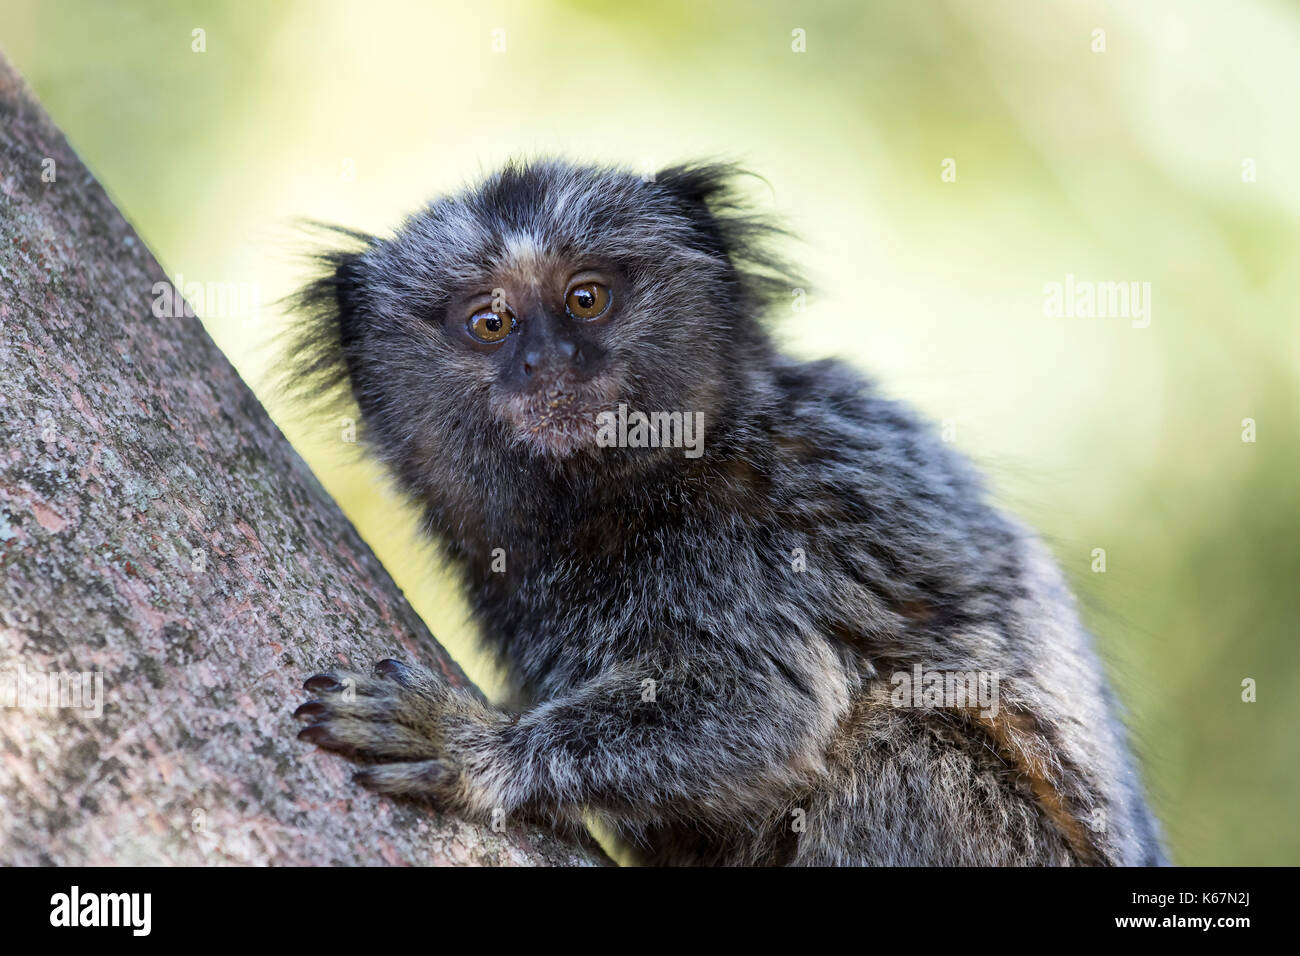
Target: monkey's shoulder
[(850, 460), (831, 404)]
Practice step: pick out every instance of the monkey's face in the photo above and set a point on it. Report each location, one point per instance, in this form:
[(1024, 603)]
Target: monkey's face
[(520, 312), (544, 337)]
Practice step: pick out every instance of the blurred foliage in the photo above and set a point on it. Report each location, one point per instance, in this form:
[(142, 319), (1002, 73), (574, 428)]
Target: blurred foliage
[(1111, 166)]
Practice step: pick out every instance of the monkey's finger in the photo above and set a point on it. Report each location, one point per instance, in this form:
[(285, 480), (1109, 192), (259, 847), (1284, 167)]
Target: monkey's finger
[(363, 708), (410, 709), (369, 739), (411, 676), (427, 778)]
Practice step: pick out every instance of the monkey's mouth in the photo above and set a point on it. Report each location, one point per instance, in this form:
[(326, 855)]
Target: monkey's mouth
[(559, 418)]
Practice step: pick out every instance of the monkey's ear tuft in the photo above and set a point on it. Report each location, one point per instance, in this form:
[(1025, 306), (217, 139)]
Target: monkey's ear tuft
[(726, 225), (312, 367), (698, 183)]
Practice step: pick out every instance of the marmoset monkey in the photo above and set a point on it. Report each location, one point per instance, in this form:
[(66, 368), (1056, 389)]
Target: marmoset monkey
[(752, 610)]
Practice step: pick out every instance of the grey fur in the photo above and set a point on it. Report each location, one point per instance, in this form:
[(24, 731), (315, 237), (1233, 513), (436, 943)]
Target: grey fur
[(677, 672)]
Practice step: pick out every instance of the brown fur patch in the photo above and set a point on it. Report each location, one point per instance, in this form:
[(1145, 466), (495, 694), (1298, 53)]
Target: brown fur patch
[(1019, 741)]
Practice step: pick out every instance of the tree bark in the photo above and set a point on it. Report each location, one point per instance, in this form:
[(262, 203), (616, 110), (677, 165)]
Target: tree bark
[(159, 538)]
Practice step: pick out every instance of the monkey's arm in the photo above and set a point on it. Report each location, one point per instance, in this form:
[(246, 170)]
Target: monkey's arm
[(638, 741)]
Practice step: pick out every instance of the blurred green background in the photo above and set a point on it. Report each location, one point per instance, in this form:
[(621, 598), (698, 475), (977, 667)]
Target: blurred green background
[(1131, 163)]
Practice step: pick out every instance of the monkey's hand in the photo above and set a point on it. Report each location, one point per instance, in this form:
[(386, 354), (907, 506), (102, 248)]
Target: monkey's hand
[(417, 736)]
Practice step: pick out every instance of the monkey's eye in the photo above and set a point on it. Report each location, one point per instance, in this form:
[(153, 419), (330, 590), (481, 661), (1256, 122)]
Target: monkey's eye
[(587, 300), (491, 327)]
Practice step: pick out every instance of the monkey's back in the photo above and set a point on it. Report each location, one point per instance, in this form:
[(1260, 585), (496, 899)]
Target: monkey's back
[(930, 578)]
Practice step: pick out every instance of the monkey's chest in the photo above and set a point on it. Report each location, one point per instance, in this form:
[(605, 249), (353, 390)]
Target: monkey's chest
[(558, 623)]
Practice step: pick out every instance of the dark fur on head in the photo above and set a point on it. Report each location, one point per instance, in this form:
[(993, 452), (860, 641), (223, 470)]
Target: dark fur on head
[(702, 647), (695, 272)]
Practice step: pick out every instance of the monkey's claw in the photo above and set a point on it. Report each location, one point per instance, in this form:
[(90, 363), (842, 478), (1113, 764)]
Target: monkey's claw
[(313, 708), (322, 682), (394, 670)]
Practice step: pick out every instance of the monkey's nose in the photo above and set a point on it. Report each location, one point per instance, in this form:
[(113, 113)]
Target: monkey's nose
[(561, 353)]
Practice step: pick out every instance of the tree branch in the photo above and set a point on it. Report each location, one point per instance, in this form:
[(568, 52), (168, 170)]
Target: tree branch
[(160, 538)]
